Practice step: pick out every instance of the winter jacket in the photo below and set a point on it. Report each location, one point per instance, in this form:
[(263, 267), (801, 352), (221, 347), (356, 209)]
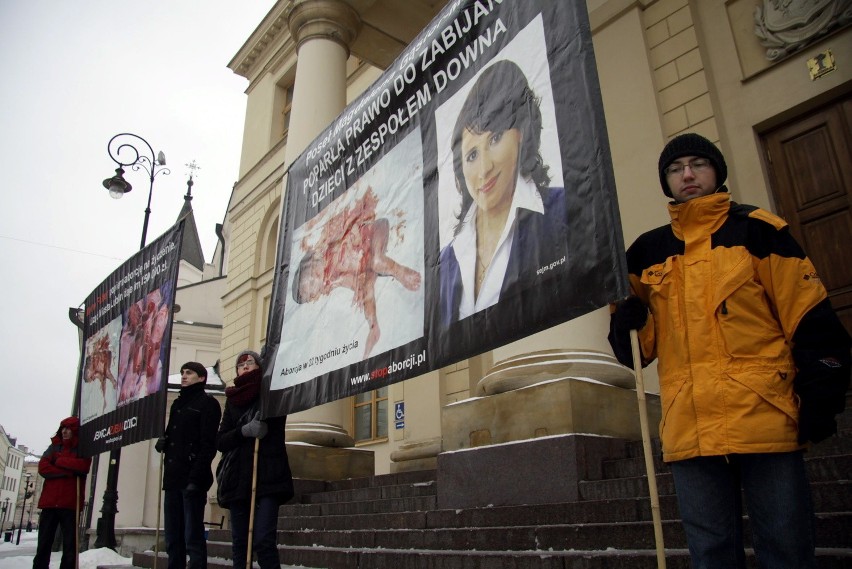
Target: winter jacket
[(727, 288), (273, 468), (64, 470), (191, 439)]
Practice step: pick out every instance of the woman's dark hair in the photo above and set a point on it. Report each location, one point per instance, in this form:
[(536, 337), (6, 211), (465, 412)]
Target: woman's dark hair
[(304, 267), (501, 99)]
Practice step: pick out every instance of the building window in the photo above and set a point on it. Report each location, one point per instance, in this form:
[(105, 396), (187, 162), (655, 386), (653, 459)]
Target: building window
[(271, 245), (264, 318), (371, 415), (285, 110)]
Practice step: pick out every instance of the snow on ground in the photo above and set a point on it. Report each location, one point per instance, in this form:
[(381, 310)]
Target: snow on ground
[(21, 556)]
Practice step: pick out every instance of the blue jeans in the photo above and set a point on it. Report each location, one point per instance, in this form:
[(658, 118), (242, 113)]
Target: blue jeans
[(264, 536), (778, 498), (183, 516)]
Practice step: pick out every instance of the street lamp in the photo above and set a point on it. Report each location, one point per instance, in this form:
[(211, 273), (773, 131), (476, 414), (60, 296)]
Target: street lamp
[(27, 494), (122, 144), (123, 152)]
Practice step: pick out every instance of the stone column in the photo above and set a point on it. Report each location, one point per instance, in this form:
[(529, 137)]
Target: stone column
[(323, 31), (586, 332)]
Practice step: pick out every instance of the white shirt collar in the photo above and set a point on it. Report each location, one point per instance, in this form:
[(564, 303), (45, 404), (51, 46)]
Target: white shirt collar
[(526, 196)]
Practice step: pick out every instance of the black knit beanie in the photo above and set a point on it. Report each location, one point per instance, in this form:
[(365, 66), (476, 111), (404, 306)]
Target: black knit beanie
[(691, 144), (241, 357), (196, 367)]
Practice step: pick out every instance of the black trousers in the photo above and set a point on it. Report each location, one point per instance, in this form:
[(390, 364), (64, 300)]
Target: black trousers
[(48, 521)]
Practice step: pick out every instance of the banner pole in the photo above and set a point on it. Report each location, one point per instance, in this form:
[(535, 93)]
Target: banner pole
[(251, 507), (159, 507), (646, 446), (77, 524)]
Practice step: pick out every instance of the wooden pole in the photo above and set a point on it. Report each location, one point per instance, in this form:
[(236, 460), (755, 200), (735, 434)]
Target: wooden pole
[(77, 524), (251, 508), (159, 507), (646, 446)]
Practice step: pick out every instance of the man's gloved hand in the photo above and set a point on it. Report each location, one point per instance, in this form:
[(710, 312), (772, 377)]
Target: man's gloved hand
[(814, 424), (254, 429), (160, 446), (630, 314), (193, 487), (821, 388)]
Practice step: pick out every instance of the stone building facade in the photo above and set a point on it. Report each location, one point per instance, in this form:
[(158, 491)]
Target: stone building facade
[(665, 67)]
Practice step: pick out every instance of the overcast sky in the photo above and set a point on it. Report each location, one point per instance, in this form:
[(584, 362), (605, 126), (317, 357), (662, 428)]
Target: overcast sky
[(75, 74)]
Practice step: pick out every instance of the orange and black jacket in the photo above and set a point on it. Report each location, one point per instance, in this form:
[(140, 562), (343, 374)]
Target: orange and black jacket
[(736, 308)]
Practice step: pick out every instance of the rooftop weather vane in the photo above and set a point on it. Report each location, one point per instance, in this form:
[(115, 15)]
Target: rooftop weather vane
[(193, 167)]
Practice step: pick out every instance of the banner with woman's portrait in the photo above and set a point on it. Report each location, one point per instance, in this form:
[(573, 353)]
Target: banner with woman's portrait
[(464, 201)]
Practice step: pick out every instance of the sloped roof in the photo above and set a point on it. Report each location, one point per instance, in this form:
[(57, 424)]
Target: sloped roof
[(190, 250)]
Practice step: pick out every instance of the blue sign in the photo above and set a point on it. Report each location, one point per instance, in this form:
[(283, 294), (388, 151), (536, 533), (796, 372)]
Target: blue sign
[(399, 414)]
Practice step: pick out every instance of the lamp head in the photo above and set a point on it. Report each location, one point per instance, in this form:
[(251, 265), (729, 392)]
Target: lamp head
[(117, 185)]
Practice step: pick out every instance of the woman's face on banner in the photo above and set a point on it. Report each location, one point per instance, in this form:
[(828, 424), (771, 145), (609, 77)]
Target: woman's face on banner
[(490, 166)]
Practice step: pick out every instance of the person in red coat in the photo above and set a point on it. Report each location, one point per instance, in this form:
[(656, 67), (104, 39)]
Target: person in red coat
[(64, 472)]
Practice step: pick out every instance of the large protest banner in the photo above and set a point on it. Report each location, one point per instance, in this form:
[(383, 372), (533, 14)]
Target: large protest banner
[(126, 348), (465, 200)]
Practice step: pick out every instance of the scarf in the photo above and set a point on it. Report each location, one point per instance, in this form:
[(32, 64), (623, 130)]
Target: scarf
[(245, 389)]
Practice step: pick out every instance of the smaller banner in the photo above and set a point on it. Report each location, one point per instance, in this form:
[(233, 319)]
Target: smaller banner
[(126, 347)]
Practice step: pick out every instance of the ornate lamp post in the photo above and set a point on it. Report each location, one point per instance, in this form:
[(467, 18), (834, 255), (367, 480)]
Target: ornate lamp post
[(122, 150), (117, 185), (27, 494)]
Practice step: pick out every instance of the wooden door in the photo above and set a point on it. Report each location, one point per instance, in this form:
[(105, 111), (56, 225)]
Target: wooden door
[(811, 176)]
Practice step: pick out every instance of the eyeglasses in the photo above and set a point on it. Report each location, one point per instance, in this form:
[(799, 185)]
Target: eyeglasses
[(247, 362), (697, 165)]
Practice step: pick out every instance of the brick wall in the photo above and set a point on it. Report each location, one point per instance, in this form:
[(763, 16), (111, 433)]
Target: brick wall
[(678, 70)]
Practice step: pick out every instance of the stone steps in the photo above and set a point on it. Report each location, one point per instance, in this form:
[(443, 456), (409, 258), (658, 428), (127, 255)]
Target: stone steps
[(393, 521)]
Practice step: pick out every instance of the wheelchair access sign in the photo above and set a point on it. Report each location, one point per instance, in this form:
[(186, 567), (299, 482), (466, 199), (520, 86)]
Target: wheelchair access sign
[(399, 414)]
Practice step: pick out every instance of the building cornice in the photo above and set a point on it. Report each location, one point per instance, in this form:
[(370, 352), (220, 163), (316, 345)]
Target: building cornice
[(267, 33)]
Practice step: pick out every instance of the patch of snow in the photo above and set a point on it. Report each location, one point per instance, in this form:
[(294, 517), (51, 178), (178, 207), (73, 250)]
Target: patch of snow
[(528, 440)]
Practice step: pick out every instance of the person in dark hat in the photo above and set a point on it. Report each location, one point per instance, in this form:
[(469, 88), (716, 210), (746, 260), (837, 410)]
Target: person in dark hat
[(242, 434), (189, 445), (752, 359)]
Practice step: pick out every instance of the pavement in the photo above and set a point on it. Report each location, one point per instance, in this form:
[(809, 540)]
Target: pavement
[(15, 555), (27, 546)]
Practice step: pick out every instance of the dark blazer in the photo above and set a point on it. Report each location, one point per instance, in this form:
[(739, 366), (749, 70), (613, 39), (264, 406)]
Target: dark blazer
[(273, 468), (539, 240), (191, 439)]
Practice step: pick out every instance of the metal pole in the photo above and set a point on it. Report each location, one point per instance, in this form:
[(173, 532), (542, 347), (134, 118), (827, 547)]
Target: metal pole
[(147, 212), (106, 525), (23, 507)]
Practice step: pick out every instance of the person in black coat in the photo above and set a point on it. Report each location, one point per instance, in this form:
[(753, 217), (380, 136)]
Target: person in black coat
[(241, 426), (189, 444)]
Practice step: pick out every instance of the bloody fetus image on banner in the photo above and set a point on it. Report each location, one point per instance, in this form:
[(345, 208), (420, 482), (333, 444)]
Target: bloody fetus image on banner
[(140, 364), (98, 363), (351, 252)]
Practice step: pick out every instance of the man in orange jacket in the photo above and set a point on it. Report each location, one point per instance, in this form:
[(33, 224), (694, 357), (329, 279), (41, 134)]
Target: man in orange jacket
[(753, 362), (64, 472)]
